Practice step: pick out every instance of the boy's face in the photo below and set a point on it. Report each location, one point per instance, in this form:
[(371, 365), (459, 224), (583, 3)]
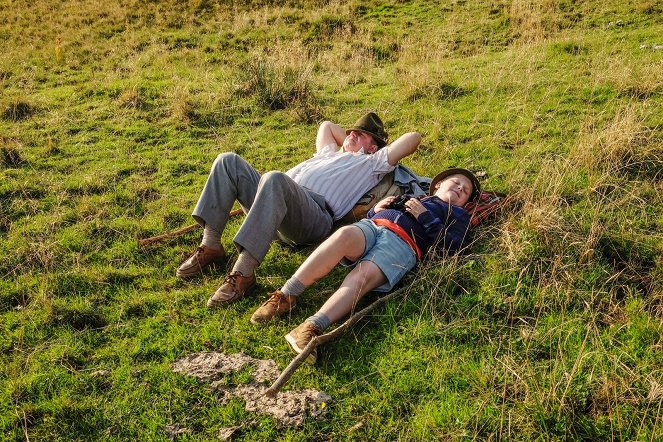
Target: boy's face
[(454, 189)]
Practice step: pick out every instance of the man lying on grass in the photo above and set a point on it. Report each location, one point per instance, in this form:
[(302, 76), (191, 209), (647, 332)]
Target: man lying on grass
[(381, 250), (299, 205)]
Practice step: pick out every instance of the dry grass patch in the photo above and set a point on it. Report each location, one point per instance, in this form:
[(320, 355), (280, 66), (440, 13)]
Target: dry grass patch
[(18, 110), (623, 147), (532, 21), (10, 153)]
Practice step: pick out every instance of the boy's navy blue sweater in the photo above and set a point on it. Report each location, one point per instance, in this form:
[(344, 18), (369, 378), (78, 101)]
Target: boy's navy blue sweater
[(443, 225)]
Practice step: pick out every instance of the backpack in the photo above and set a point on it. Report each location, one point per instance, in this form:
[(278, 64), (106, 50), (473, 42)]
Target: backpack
[(386, 187), (480, 210), (486, 205)]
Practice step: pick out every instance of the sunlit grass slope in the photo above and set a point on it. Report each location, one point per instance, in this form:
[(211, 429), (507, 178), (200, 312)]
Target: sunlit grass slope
[(549, 327)]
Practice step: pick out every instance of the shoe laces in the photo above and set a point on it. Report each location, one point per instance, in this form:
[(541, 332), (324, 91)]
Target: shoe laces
[(231, 278), (275, 298), (309, 331)]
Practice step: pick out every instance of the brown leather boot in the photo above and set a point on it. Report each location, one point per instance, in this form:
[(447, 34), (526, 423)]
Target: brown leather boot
[(201, 258), (234, 287), (300, 336), (276, 305)]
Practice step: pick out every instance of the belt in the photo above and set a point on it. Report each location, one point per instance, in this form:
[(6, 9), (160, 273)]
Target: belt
[(402, 234), (321, 201)]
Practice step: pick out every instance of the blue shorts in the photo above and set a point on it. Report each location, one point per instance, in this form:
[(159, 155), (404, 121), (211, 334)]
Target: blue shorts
[(393, 256)]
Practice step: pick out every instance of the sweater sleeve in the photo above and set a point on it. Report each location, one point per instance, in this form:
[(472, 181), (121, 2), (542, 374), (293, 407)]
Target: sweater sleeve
[(454, 235), (432, 224)]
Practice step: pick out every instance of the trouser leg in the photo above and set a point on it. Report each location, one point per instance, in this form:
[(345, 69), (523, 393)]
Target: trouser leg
[(281, 205), (231, 178)]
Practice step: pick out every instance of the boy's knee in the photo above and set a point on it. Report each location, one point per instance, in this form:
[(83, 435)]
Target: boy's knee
[(347, 233), (366, 272)]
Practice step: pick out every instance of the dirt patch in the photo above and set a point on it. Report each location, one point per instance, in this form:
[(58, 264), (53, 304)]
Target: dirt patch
[(290, 408), (210, 366)]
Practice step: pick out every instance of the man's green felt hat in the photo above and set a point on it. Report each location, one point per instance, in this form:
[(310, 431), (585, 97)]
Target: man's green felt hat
[(372, 125)]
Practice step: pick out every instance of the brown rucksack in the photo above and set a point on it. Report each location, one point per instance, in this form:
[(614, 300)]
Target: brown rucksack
[(386, 187)]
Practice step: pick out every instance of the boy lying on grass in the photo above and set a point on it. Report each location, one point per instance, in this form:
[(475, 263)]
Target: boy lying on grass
[(381, 249)]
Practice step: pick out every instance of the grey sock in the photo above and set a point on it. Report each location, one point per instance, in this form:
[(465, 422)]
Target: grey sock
[(211, 238), (245, 264), (293, 287), (320, 320)]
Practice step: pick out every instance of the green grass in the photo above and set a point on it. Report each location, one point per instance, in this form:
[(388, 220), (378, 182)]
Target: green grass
[(548, 328)]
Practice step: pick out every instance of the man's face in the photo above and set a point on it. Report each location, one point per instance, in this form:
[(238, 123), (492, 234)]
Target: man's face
[(356, 140), (454, 189)]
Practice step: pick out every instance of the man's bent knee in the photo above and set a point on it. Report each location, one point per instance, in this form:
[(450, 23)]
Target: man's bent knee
[(225, 159), (273, 177)]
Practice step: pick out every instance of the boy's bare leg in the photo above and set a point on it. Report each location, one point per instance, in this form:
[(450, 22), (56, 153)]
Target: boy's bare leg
[(346, 242), (361, 280)]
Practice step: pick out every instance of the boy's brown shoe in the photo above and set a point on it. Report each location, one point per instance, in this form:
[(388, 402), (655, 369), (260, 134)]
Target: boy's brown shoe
[(276, 304), (201, 258), (300, 337), (234, 287)]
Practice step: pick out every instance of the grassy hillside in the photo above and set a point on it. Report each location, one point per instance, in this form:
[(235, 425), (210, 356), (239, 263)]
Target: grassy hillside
[(111, 113)]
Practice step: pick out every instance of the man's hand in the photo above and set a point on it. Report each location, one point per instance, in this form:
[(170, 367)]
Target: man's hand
[(414, 207), (383, 204)]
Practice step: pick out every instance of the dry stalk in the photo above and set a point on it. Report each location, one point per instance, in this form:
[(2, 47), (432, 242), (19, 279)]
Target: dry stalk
[(176, 233), (297, 361)]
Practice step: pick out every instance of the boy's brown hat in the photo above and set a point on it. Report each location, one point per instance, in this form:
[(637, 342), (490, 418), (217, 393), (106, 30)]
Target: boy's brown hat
[(372, 125), (476, 187)]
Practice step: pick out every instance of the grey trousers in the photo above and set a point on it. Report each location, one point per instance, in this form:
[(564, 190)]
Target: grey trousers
[(272, 202)]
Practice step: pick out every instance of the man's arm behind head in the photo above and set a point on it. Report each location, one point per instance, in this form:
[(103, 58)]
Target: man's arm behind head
[(329, 133), (405, 145)]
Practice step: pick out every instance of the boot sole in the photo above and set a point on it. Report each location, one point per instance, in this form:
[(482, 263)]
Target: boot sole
[(219, 303), (311, 358), (199, 270)]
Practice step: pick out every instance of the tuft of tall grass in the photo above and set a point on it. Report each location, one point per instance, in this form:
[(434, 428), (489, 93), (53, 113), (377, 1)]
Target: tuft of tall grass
[(531, 21), (181, 105), (10, 154), (624, 147), (18, 110), (277, 85)]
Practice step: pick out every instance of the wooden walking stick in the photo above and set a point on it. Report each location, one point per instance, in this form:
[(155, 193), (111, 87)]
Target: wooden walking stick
[(179, 232), (297, 361)]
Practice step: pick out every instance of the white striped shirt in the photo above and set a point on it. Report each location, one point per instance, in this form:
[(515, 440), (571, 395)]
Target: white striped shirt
[(341, 177)]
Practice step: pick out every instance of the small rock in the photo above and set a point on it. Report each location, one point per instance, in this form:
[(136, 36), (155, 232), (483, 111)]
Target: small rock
[(175, 430), (356, 427), (657, 47), (227, 433), (100, 373)]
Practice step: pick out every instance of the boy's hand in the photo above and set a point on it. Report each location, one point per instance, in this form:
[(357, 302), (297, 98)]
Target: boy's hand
[(414, 207), (382, 204)]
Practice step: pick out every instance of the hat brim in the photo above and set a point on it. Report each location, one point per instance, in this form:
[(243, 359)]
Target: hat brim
[(381, 142), (476, 186)]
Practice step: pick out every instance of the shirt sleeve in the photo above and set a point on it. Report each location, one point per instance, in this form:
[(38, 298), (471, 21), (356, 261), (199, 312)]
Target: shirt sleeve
[(381, 161), (328, 148)]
